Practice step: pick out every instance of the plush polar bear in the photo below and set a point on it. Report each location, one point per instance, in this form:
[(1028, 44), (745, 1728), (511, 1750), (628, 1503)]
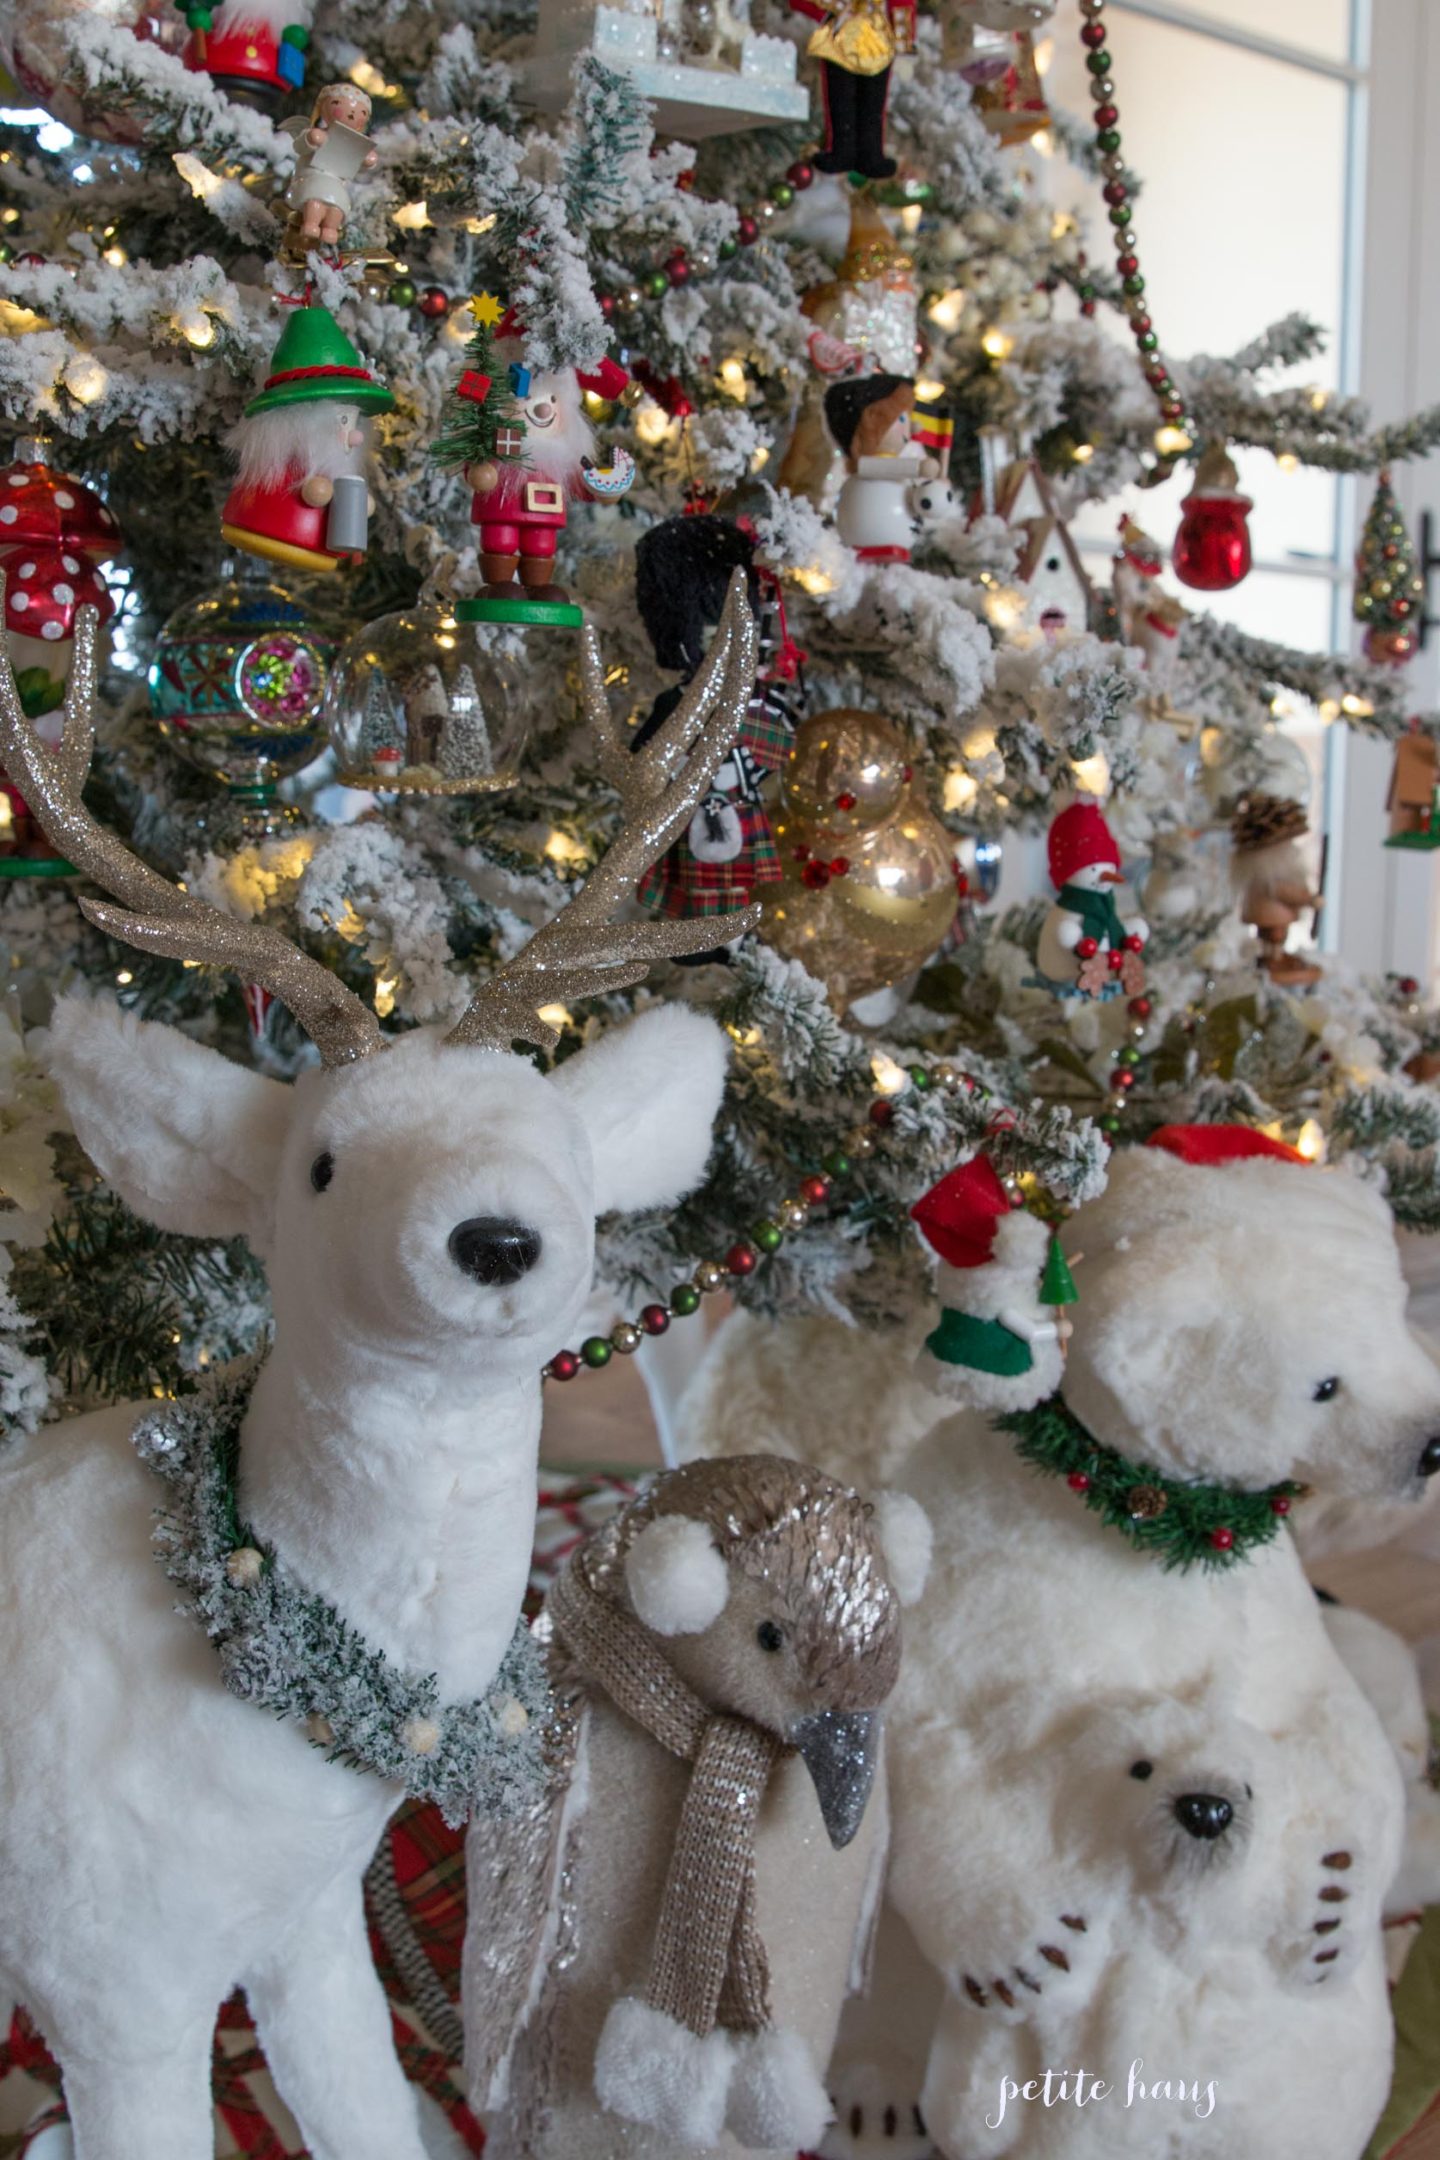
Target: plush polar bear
[(1146, 1816)]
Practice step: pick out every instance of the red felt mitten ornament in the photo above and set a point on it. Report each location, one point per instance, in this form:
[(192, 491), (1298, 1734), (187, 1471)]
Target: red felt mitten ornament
[(1212, 546)]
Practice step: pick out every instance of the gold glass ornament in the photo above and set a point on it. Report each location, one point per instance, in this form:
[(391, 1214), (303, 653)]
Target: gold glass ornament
[(868, 886)]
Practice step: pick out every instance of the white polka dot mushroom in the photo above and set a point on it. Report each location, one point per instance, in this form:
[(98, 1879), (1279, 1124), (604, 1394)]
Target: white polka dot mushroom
[(42, 508), (44, 591)]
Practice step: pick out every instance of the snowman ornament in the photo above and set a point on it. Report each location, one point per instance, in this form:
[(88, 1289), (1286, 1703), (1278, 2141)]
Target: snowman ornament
[(1087, 948)]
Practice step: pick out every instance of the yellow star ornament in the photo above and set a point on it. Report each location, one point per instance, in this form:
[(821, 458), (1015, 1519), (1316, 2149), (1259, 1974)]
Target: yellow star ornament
[(487, 309)]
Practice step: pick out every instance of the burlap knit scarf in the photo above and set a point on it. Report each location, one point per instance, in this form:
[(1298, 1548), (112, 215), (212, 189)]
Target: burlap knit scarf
[(708, 1966)]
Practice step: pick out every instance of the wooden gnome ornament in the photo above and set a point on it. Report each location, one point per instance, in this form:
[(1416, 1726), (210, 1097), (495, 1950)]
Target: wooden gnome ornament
[(721, 1651), (1087, 947), (523, 441), (1269, 872), (856, 43), (331, 148), (683, 568), (1002, 1283), (1413, 802), (301, 496), (253, 50)]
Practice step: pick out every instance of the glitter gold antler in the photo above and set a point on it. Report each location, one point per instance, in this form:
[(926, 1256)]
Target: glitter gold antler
[(582, 949), (155, 914)]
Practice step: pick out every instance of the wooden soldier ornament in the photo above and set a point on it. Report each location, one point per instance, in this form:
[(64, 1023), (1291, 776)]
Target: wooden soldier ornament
[(856, 43)]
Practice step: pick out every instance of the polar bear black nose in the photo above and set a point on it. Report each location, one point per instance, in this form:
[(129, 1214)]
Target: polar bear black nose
[(1430, 1457), (1203, 1814), (493, 1249)]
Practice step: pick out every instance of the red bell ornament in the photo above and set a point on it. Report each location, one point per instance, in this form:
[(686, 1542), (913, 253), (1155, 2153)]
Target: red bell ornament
[(1212, 547)]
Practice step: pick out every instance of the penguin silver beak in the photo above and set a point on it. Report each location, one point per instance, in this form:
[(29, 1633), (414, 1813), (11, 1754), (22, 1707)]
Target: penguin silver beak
[(840, 1749)]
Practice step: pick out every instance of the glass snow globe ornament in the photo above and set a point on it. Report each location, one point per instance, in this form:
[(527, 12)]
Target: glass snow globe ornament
[(421, 703), (236, 686)]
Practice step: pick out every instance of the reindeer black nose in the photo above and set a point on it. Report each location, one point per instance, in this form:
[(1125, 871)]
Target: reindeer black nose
[(493, 1249), (1203, 1814), (1430, 1457)]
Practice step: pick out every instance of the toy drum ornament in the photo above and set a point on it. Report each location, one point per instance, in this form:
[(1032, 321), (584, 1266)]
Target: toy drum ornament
[(424, 704), (236, 685)]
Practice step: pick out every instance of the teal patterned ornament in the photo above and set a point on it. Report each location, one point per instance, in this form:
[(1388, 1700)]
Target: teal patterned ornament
[(237, 682)]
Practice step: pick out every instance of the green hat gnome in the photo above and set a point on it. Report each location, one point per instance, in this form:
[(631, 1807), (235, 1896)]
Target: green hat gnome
[(1002, 1284), (301, 496)]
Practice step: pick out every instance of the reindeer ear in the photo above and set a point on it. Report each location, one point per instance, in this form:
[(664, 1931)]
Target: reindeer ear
[(189, 1140), (648, 1093), (907, 1541), (677, 1579)]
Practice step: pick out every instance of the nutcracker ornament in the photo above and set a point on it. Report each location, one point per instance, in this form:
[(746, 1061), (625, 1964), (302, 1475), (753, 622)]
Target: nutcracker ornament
[(301, 496), (889, 447), (331, 148), (856, 43), (1212, 546), (682, 574), (1389, 590), (526, 449), (1087, 948), (1149, 617), (253, 50)]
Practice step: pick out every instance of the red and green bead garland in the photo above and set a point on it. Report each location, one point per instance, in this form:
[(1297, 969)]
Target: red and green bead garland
[(1181, 1525), (764, 1239), (1125, 1062), (1116, 193)]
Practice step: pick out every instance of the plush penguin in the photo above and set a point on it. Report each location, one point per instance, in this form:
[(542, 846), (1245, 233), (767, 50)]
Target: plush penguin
[(656, 1958), (1087, 947)]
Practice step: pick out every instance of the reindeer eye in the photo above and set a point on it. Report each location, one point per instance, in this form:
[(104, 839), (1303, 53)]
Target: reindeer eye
[(1142, 1770), (769, 1636), (322, 1170), (1326, 1390)]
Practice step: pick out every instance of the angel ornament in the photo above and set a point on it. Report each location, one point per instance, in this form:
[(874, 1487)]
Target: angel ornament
[(331, 147)]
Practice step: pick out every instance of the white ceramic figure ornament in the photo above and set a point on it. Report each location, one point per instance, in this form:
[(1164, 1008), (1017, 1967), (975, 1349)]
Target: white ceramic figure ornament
[(872, 419), (351, 1527), (330, 150), (1087, 947), (721, 1652), (1149, 616), (301, 496)]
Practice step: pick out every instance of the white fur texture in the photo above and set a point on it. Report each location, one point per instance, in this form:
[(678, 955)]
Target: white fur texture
[(292, 441), (777, 2098), (909, 1543), (1384, 1665), (1213, 1301), (161, 1841), (676, 1576), (651, 2070)]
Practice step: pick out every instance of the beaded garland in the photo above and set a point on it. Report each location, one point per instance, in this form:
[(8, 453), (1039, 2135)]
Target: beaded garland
[(291, 1652), (1116, 193), (1179, 1524)]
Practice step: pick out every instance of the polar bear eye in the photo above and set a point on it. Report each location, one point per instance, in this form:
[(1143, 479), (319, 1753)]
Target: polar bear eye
[(1142, 1770), (322, 1170), (1326, 1390), (769, 1636)]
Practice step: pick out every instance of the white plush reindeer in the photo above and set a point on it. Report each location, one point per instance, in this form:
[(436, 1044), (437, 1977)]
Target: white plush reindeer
[(426, 1213)]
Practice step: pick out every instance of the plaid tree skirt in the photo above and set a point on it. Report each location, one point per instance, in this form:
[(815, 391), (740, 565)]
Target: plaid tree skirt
[(415, 1899)]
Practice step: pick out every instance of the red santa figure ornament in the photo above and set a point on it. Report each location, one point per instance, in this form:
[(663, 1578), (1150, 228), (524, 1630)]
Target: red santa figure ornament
[(529, 468), (301, 496), (1212, 546), (1087, 947)]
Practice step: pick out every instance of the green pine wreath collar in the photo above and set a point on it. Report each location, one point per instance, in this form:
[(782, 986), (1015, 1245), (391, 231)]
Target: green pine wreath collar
[(1179, 1524), (289, 1651)]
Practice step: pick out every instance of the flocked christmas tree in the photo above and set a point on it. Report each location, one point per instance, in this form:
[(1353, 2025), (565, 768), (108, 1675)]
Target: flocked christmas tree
[(147, 280)]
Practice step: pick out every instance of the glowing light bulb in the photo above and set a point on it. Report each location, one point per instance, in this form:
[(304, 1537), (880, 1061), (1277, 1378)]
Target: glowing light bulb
[(651, 424), (732, 379), (947, 310), (814, 580), (928, 390), (1288, 462), (195, 327), (411, 216), (960, 789), (1092, 774), (1083, 452), (116, 257), (998, 344), (1310, 1140), (85, 379), (554, 1015), (202, 183), (1172, 441), (385, 995)]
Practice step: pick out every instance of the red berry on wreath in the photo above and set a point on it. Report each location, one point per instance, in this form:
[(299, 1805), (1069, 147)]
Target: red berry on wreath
[(1134, 943), (1222, 1539), (1078, 1482), (1280, 1505), (1116, 960)]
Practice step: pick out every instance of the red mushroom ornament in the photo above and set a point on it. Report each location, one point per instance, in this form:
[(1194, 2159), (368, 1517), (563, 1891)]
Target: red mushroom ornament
[(42, 508), (44, 590)]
